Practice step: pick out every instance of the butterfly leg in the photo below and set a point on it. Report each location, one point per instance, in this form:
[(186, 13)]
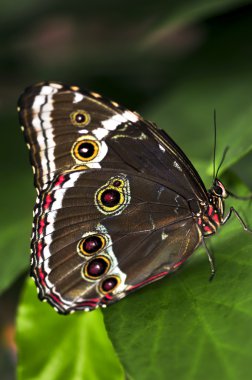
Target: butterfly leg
[(233, 210), (211, 260)]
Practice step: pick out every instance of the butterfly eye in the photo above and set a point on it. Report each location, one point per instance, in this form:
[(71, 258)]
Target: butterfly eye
[(109, 284), (96, 268), (218, 190), (91, 244), (80, 118), (85, 150)]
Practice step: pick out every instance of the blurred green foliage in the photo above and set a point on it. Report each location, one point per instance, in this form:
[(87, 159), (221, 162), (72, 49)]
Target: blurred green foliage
[(173, 61)]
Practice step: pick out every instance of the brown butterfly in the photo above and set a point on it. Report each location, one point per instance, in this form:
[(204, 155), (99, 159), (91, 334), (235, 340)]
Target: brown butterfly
[(119, 204)]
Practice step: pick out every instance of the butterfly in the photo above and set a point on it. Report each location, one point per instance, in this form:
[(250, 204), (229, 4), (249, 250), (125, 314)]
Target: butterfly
[(119, 204)]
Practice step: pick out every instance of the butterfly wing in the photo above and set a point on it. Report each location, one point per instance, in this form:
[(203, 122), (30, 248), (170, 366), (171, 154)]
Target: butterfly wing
[(89, 252), (115, 198), (65, 128)]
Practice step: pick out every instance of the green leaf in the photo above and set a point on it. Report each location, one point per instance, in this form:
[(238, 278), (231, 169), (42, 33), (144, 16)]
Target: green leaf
[(186, 327), (52, 346)]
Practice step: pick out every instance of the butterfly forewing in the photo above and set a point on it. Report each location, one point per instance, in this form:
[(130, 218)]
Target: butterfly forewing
[(47, 113)]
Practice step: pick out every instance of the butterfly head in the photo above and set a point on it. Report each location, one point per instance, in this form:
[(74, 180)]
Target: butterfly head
[(218, 189)]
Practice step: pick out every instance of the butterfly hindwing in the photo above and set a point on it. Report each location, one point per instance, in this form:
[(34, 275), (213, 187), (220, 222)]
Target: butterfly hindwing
[(138, 239)]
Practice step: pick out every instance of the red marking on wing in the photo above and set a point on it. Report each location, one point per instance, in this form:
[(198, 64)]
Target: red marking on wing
[(91, 304), (162, 274), (41, 225), (61, 179), (56, 299), (41, 276), (180, 263), (48, 201), (39, 249)]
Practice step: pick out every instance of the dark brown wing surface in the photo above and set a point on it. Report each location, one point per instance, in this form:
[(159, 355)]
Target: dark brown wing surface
[(113, 210)]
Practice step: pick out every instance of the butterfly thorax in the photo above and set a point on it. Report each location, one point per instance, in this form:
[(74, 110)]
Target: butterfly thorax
[(211, 216)]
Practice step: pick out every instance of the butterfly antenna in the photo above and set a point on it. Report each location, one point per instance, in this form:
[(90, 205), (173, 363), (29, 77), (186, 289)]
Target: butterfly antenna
[(215, 142), (222, 160)]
